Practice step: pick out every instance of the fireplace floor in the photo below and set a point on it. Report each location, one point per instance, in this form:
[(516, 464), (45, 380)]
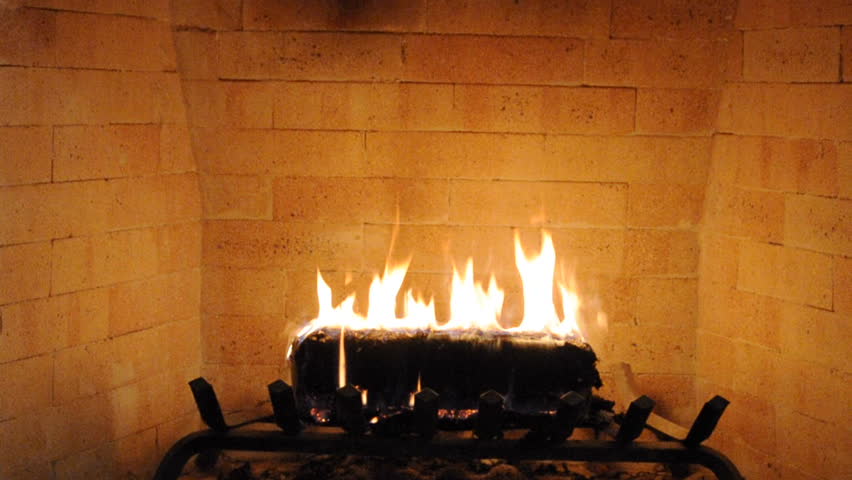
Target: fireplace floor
[(347, 467)]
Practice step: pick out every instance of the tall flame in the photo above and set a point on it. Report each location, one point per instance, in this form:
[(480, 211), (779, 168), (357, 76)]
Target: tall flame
[(472, 306)]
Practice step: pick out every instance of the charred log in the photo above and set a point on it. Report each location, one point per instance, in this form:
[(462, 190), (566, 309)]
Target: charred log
[(531, 372)]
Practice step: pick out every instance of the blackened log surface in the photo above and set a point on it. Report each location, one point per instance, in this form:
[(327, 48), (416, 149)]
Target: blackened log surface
[(531, 372)]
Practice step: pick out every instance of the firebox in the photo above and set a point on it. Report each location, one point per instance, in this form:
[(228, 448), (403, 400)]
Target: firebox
[(177, 176)]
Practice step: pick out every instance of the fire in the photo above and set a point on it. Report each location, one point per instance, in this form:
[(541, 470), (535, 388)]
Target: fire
[(472, 305)]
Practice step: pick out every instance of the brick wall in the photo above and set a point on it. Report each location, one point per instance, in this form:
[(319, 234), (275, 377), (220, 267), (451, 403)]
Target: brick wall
[(312, 121), (660, 142), (100, 241), (775, 276)]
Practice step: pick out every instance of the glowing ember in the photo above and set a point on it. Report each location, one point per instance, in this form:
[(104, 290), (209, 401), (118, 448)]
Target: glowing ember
[(472, 306)]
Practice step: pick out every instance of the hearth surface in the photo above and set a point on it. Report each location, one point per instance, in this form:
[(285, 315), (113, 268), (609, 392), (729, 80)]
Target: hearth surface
[(349, 467)]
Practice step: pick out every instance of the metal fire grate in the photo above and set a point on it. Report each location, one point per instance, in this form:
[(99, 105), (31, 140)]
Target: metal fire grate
[(416, 433)]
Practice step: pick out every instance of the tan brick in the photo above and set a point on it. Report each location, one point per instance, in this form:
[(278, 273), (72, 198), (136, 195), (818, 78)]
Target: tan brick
[(72, 96), (733, 56), (754, 214), (524, 203), (846, 53), (629, 159), (657, 349), (718, 262), (667, 301), (197, 54), (86, 262), (179, 247), (790, 165), (777, 110), (742, 315), (792, 55), (787, 273), (435, 249), (38, 469), (112, 42), (24, 272), (140, 8), (134, 455), (244, 339), (682, 63), (237, 197), (39, 212), (27, 155), (757, 370), (748, 416), (456, 155), (826, 453), (812, 335), (843, 284), (499, 60), (676, 111), (710, 365), (154, 200), (208, 14), (27, 37), (229, 104), (242, 386), (664, 205), (310, 56), (256, 244), (101, 97), (371, 106), (232, 291), (276, 152), (176, 150), (844, 169), (813, 390), (817, 223), (25, 96), (301, 303), (575, 18), (182, 341), (41, 326), (785, 13), (27, 384), (24, 444), (661, 252), (98, 367), (84, 152), (545, 109), (572, 158), (682, 19), (347, 200), (372, 15), (675, 394), (147, 303), (145, 404)]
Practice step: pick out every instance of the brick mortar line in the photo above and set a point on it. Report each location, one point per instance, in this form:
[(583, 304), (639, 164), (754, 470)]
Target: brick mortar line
[(615, 135), (101, 14), (777, 244), (117, 178), (82, 69), (109, 339), (786, 193), (415, 33), (580, 84)]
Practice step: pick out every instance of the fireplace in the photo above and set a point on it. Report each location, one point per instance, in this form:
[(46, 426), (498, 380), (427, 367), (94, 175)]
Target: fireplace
[(174, 173)]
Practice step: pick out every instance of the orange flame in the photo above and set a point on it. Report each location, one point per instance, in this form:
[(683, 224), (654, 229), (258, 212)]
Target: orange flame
[(472, 306)]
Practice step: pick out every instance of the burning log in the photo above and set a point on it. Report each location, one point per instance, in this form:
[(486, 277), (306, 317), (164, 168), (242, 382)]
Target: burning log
[(531, 372)]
